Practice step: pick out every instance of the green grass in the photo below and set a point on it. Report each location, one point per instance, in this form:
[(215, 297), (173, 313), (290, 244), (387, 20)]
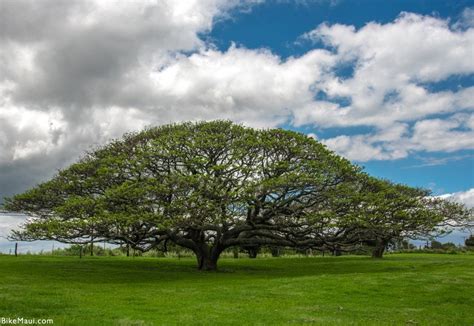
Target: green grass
[(406, 289)]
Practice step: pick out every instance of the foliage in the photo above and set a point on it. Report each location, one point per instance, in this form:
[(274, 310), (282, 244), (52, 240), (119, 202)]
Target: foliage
[(381, 213), (210, 186), (203, 186), (469, 242), (438, 245)]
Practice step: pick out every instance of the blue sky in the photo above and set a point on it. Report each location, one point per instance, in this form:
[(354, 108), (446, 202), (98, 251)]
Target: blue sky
[(387, 84), (278, 26)]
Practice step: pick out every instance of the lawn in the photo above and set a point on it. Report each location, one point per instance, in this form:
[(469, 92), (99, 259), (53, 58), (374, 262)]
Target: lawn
[(408, 289)]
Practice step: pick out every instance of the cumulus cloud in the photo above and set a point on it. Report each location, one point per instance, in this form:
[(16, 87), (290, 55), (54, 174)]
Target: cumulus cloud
[(399, 140), (392, 63), (253, 87), (393, 66), (9, 222), (463, 197), (383, 145), (74, 74), (466, 20)]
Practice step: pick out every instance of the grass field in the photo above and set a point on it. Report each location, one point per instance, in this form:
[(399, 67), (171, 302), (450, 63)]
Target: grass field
[(409, 289)]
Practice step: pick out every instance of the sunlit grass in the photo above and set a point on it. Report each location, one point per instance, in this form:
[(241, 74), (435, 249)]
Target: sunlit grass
[(414, 289)]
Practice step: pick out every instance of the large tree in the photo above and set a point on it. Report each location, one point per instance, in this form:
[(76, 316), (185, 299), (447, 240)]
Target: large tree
[(378, 212), (204, 186)]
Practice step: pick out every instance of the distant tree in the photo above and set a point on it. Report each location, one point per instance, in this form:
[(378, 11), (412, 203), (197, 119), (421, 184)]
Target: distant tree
[(78, 250), (202, 186), (404, 244), (252, 250), (275, 251), (378, 212), (449, 246), (436, 245), (442, 246), (469, 242)]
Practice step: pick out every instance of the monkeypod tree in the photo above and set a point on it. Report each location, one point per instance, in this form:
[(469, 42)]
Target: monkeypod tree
[(379, 212), (204, 186)]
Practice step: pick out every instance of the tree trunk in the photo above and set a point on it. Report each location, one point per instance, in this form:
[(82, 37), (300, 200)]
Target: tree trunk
[(207, 263), (379, 249), (92, 248), (252, 252), (275, 251), (207, 257), (16, 249)]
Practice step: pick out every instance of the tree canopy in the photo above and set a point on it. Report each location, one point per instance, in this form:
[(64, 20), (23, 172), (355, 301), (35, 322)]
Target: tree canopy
[(209, 186), (382, 212)]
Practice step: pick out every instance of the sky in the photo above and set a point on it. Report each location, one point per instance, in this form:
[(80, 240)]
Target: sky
[(388, 85)]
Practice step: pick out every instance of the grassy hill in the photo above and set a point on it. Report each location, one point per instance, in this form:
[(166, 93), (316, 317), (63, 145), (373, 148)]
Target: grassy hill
[(408, 289)]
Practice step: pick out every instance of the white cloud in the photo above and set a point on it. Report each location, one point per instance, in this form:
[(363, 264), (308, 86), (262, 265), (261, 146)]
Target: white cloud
[(9, 222), (26, 132), (253, 87), (443, 135), (74, 74), (398, 140), (412, 48), (364, 148), (435, 161), (463, 197), (392, 64), (467, 19)]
